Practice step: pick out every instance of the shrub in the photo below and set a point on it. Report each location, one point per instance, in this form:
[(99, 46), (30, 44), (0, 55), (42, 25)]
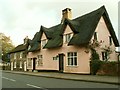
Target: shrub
[(94, 55), (95, 63), (95, 66)]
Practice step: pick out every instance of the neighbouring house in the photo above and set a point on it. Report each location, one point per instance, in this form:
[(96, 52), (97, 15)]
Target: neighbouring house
[(18, 56), (68, 46)]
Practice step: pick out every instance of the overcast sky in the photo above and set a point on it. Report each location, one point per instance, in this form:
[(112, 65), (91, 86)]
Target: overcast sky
[(21, 18)]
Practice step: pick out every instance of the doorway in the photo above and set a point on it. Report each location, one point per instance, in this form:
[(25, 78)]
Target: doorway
[(34, 60), (61, 62)]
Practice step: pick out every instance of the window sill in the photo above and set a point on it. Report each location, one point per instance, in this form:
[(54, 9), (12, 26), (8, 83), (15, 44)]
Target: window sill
[(75, 66)]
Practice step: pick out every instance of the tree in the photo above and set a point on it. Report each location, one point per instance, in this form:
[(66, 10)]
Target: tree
[(6, 46)]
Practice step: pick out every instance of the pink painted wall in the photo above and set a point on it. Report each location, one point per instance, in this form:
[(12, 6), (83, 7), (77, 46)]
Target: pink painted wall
[(103, 35), (82, 57), (48, 62)]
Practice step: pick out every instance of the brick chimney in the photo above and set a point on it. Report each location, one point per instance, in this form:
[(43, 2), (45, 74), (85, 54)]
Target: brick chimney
[(66, 13)]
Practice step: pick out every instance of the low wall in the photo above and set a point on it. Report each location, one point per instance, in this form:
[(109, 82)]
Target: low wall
[(109, 68)]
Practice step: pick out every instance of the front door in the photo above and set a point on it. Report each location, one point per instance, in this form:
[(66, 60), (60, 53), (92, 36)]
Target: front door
[(34, 60), (61, 62)]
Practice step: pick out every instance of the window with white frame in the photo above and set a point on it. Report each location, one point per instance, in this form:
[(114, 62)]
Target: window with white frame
[(21, 54), (105, 55), (67, 37), (56, 58), (72, 58), (15, 55), (39, 61), (14, 64), (29, 62), (20, 64), (43, 42)]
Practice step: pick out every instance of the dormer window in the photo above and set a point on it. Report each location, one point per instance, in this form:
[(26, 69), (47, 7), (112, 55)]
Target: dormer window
[(67, 37), (43, 42), (110, 40)]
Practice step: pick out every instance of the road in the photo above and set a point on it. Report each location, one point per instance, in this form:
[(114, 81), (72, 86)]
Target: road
[(10, 80)]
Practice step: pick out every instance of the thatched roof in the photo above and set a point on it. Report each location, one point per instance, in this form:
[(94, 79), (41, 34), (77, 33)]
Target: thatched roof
[(83, 28), (54, 36), (35, 42)]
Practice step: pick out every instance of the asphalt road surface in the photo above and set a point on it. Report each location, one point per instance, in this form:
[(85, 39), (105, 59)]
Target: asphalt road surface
[(10, 80)]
